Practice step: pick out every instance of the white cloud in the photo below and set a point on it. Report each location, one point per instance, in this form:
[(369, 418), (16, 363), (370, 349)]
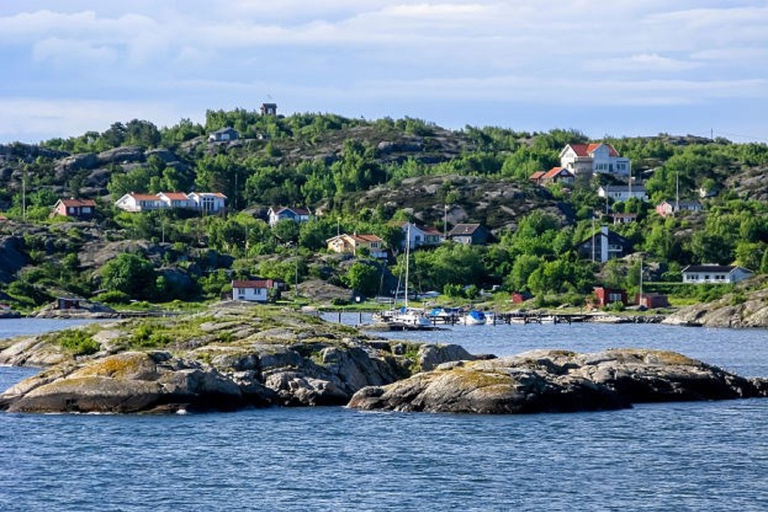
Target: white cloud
[(66, 51), (641, 63)]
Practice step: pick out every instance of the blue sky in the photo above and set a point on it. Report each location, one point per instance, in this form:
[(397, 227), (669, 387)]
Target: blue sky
[(604, 67)]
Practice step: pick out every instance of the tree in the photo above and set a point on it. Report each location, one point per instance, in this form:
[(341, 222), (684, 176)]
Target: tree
[(130, 274), (362, 277)]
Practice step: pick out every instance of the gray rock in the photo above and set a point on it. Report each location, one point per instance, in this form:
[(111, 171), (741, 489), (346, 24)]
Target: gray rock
[(430, 356), (76, 163), (121, 155), (558, 381)]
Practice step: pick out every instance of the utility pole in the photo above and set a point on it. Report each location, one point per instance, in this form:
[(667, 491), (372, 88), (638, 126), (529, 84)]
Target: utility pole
[(593, 236)]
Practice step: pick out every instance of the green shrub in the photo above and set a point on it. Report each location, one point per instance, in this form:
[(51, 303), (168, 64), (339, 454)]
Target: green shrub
[(113, 297), (78, 342)]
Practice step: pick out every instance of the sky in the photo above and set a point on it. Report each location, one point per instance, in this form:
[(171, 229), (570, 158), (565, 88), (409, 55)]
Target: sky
[(604, 67)]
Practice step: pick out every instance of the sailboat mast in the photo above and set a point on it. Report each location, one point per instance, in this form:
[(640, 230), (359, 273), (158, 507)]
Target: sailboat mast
[(407, 258)]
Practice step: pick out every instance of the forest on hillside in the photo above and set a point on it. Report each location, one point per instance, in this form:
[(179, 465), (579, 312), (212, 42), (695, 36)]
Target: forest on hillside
[(366, 176)]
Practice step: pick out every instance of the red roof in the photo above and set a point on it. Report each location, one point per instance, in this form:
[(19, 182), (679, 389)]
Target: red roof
[(257, 283), (178, 196), (366, 238), (144, 197), (555, 171), (588, 149), (74, 203), (537, 175)]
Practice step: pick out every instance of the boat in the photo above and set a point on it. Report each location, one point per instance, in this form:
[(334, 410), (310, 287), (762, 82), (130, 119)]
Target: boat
[(473, 317), (443, 315), (404, 317)]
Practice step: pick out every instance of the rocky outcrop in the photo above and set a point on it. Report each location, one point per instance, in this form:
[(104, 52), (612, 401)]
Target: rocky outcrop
[(737, 310), (558, 381), (253, 355), (121, 155), (133, 382)]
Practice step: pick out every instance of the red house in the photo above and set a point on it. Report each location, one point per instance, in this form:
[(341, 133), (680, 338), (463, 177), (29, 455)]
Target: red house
[(78, 208), (652, 300), (607, 296)]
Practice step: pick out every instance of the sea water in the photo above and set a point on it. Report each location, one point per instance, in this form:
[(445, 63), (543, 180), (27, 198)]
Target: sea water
[(680, 456)]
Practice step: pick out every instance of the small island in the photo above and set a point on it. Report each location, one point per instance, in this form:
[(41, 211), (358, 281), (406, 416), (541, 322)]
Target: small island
[(235, 355)]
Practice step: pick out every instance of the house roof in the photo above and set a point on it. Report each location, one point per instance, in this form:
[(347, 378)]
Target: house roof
[(69, 203), (588, 149), (143, 197), (623, 188), (713, 268), (175, 196), (537, 175), (423, 229), (366, 238), (614, 238), (464, 229), (296, 211), (209, 194), (555, 171), (254, 283)]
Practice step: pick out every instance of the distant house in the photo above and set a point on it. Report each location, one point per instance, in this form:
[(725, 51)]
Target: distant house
[(665, 208), (77, 208), (470, 234), (604, 245), (554, 175), (256, 290), (623, 218), (623, 192), (133, 202), (701, 274), (207, 202), (223, 135), (351, 244), (652, 300), (594, 158), (421, 236), (606, 296), (276, 214), (176, 200), (269, 109)]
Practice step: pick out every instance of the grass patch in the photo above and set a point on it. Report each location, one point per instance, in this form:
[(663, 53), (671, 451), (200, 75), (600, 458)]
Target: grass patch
[(77, 341)]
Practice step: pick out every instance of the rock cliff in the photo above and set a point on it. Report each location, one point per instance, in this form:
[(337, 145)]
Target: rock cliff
[(737, 310)]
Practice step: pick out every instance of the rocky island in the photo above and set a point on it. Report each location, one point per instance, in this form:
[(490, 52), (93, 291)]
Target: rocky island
[(235, 355)]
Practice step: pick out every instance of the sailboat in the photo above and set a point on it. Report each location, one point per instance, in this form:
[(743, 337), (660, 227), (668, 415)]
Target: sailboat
[(404, 316)]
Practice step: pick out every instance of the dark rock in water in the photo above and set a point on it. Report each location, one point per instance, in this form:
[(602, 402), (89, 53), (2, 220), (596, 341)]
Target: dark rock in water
[(559, 381)]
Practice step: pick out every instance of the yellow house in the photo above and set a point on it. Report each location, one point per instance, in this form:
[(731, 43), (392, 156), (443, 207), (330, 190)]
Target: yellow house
[(345, 243)]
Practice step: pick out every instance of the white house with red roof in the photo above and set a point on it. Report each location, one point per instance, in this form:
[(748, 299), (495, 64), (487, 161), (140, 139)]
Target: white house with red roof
[(421, 235), (133, 202), (255, 290), (599, 158), (209, 202), (175, 200)]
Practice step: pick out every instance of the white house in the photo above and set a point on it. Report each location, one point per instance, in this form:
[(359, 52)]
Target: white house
[(276, 214), (208, 202), (256, 290), (133, 202), (225, 134), (420, 236), (594, 158), (622, 193), (175, 200), (700, 274)]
